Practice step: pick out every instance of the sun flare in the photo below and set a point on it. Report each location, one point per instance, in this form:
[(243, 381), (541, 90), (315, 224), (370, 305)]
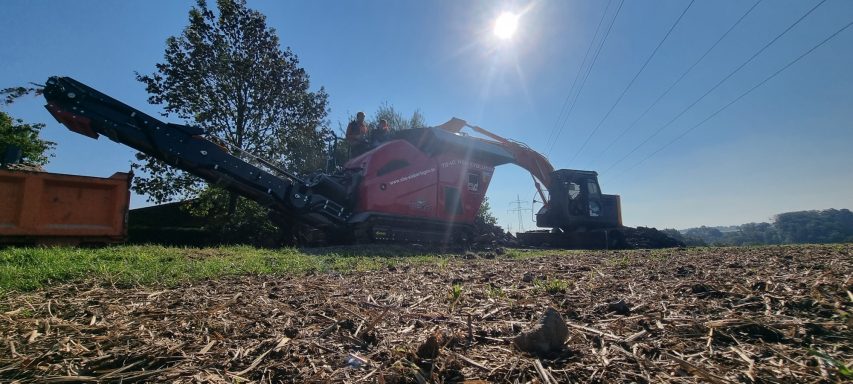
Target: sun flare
[(505, 25)]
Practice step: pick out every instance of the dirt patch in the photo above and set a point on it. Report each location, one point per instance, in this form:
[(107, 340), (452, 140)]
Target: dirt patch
[(773, 314)]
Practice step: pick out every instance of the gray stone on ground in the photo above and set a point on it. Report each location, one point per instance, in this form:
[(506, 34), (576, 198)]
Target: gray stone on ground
[(546, 336), (619, 307)]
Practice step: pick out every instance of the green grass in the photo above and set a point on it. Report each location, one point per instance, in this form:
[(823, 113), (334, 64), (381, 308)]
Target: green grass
[(23, 269), (455, 293), (495, 292), (621, 261), (843, 370), (552, 286), (521, 254)]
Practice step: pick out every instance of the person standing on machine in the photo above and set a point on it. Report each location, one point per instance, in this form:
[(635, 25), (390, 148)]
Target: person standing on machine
[(357, 132), (381, 133)]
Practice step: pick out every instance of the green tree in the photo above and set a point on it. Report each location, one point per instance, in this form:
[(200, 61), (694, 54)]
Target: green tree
[(395, 119), (755, 234), (15, 133), (484, 214), (826, 226), (227, 74), (689, 241), (249, 224), (709, 235), (13, 93)]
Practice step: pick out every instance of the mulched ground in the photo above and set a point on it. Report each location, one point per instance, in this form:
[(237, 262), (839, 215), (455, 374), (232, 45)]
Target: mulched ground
[(774, 314)]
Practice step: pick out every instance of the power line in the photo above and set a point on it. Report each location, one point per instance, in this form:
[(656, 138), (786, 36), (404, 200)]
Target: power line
[(631, 83), (780, 70), (519, 210), (586, 76), (580, 68), (723, 80), (683, 75)]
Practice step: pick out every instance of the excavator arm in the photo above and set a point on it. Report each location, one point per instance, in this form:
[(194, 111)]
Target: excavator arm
[(574, 201), (525, 157)]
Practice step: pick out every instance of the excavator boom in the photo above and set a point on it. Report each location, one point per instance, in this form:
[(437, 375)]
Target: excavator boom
[(574, 199)]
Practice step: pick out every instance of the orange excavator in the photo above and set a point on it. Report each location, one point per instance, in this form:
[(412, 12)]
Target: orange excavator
[(577, 214)]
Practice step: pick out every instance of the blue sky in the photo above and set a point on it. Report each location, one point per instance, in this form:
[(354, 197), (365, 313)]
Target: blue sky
[(786, 146)]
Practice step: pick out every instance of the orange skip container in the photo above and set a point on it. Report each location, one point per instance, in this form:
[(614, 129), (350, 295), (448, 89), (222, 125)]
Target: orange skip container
[(51, 208)]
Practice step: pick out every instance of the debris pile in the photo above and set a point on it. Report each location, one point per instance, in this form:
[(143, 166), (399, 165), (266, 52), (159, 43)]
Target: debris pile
[(486, 234), (647, 238), (772, 314)]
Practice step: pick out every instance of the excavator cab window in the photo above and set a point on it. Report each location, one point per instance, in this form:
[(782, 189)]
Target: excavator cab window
[(593, 198), (474, 181), (574, 190), (592, 188)]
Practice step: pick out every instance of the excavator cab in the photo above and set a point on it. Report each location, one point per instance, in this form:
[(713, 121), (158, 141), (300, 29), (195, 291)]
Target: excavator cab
[(576, 203)]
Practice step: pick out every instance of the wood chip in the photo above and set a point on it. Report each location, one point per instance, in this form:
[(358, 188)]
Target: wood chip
[(303, 328)]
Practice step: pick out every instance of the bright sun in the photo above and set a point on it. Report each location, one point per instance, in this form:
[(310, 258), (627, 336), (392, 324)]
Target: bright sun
[(505, 25)]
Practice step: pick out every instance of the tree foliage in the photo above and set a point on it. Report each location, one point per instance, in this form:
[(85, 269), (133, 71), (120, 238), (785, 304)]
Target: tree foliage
[(826, 226), (484, 214), (227, 74), (395, 118), (11, 94), (709, 235), (690, 241), (249, 224), (15, 133)]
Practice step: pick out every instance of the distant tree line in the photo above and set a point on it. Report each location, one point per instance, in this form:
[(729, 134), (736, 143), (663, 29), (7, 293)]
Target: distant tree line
[(821, 226)]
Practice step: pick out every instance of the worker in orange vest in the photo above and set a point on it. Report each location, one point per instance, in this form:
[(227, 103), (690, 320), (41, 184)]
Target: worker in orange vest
[(357, 135)]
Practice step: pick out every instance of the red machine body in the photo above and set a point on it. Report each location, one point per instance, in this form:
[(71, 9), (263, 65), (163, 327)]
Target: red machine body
[(400, 179), (425, 184)]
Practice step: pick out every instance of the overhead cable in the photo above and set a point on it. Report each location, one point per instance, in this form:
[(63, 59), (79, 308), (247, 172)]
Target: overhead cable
[(677, 81), (586, 76), (577, 75), (631, 83), (780, 70), (719, 83)]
